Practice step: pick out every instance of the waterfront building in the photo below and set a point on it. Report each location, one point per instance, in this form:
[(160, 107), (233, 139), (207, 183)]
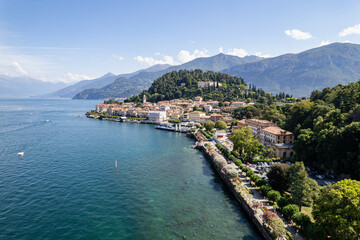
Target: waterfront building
[(157, 116), (196, 116), (280, 140)]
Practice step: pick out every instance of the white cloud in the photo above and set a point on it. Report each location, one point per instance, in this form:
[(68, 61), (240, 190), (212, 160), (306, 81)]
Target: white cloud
[(350, 30), (151, 61), (240, 52), (120, 58), (259, 54), (157, 54), (186, 56), (346, 41), (298, 35), (75, 77), (221, 49), (182, 57), (323, 43), (18, 68)]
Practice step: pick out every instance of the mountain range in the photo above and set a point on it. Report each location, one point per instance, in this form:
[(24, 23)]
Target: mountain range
[(143, 79), (296, 74), (19, 87), (300, 74)]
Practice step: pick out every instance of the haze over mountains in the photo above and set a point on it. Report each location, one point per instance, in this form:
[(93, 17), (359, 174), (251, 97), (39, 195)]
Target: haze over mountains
[(295, 74), (18, 87)]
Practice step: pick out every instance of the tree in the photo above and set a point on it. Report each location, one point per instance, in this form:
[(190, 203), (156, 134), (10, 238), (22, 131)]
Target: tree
[(220, 124), (209, 125), (290, 210), (273, 196), (303, 189), (246, 144), (337, 209), (302, 220), (278, 176)]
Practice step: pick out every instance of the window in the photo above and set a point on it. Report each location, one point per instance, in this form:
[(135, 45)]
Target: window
[(291, 154), (284, 154)]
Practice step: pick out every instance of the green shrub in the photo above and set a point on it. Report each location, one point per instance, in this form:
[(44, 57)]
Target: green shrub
[(238, 163), (174, 121), (265, 189), (232, 158), (282, 202), (302, 220), (290, 210), (232, 173), (260, 182), (273, 196)]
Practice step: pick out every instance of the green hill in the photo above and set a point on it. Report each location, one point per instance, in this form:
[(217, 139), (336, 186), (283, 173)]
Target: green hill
[(184, 84), (141, 80)]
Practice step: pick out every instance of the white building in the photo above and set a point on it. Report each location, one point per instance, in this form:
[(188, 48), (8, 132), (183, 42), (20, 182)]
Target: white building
[(157, 116), (208, 108)]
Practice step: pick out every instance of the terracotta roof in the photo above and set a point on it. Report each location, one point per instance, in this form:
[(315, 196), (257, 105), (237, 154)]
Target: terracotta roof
[(277, 131)]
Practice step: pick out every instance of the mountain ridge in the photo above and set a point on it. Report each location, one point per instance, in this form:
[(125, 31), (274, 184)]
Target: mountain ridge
[(299, 74), (143, 79)]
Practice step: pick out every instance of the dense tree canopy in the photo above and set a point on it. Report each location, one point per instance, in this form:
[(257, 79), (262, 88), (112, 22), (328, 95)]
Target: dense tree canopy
[(184, 84), (328, 129), (245, 143), (220, 124), (303, 189), (278, 176), (337, 210)]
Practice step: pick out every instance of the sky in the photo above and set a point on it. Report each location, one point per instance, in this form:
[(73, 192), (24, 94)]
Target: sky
[(72, 40)]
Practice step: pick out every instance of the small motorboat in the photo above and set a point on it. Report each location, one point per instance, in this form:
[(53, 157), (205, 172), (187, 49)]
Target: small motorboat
[(20, 153)]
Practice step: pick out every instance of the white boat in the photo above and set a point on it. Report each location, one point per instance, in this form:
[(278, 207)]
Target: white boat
[(20, 153)]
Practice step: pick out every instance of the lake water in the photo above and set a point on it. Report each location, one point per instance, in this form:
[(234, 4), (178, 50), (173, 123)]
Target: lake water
[(66, 185)]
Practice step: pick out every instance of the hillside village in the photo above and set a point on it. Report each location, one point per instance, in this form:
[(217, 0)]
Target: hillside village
[(183, 115)]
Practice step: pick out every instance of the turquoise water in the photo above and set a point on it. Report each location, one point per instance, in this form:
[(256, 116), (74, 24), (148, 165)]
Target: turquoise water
[(66, 185)]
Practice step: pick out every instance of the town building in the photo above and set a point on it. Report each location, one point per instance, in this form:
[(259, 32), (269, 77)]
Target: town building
[(215, 117), (208, 84), (237, 104), (157, 116), (196, 116)]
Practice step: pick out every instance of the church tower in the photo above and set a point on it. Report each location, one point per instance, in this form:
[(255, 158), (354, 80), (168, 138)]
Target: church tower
[(144, 98)]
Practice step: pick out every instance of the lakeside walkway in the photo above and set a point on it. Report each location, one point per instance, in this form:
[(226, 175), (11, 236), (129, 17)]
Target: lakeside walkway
[(255, 196)]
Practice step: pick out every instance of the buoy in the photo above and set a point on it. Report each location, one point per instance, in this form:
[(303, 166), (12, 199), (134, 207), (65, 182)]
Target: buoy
[(115, 164), (20, 153)]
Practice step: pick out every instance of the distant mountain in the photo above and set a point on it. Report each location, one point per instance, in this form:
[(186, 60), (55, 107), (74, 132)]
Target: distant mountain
[(144, 78), (19, 87), (121, 87), (300, 74), (71, 91)]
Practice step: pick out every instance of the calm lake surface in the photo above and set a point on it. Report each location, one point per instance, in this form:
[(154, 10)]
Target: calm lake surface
[(66, 185)]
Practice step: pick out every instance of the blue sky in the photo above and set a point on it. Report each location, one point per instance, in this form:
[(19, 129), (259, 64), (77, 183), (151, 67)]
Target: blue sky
[(78, 39)]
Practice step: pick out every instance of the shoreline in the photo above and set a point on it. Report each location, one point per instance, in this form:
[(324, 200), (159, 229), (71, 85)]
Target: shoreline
[(199, 144)]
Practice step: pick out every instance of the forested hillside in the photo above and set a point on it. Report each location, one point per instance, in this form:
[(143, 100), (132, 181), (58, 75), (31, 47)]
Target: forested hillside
[(184, 84), (328, 128)]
